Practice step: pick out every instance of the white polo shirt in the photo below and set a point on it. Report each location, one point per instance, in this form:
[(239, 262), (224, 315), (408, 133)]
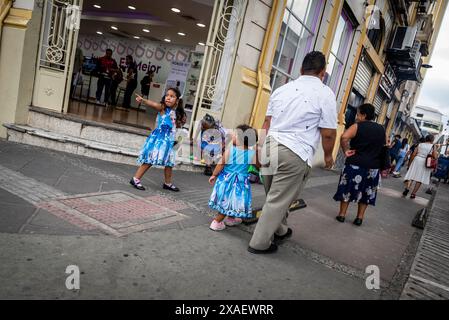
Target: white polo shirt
[(298, 110)]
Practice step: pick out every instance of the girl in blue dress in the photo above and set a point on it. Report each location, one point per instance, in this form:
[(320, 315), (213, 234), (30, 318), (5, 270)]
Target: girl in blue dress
[(158, 148), (231, 195)]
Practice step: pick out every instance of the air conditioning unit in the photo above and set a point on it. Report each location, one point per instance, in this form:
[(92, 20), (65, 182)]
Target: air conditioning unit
[(403, 39)]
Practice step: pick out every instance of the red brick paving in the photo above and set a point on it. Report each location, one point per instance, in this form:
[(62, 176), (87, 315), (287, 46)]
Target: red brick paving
[(131, 214)]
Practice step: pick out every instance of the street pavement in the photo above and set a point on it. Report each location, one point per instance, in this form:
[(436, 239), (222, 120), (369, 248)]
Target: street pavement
[(59, 209)]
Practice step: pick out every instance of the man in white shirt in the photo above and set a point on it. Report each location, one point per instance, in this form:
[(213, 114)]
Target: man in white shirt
[(299, 114)]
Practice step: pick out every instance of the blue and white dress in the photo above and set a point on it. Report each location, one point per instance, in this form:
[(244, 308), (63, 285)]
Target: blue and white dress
[(158, 148), (231, 195)]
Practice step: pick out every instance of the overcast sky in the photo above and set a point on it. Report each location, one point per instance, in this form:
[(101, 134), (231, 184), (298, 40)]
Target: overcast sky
[(435, 91)]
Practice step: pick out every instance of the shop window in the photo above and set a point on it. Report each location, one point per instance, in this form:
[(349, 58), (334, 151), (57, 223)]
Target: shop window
[(297, 38), (339, 51)]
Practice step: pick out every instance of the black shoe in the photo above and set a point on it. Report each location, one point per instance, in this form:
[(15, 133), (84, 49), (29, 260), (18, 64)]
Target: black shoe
[(279, 239), (136, 185), (340, 219), (358, 221), (405, 193), (273, 248), (208, 171), (170, 187)]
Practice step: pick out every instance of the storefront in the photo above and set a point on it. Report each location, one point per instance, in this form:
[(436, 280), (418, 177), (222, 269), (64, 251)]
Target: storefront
[(188, 45)]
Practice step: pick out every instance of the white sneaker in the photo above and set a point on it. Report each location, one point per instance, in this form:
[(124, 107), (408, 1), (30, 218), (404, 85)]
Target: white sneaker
[(98, 102), (217, 226), (230, 221)]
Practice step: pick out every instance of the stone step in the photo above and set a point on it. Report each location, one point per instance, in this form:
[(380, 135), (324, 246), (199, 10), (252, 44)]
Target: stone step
[(70, 125), (91, 148)]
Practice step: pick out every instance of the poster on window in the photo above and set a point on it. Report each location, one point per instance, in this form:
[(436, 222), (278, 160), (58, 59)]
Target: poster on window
[(177, 77), (148, 55)]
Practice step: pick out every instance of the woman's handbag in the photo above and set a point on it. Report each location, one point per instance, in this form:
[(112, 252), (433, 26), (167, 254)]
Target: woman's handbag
[(385, 161), (431, 162)]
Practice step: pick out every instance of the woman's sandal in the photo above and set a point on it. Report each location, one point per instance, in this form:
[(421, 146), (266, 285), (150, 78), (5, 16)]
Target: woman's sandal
[(412, 196)]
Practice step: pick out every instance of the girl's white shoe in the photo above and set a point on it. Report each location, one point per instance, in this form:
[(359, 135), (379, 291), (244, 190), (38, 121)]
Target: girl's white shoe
[(230, 221), (217, 226)]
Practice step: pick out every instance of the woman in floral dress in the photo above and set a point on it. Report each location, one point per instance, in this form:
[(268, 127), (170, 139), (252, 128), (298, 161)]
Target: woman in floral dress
[(362, 144)]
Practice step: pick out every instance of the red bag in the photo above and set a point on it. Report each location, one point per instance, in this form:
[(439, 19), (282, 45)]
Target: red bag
[(431, 162)]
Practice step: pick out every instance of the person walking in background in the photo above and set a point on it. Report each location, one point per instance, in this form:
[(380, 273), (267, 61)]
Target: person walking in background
[(231, 195), (299, 114), (396, 145), (131, 81), (158, 148), (412, 149), (362, 144), (418, 172), (105, 69), (401, 157)]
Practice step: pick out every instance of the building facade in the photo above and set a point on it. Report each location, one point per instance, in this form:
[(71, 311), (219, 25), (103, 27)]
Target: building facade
[(375, 51), (430, 120)]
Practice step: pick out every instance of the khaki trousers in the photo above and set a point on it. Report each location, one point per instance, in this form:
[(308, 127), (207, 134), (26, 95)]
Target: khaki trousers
[(283, 183)]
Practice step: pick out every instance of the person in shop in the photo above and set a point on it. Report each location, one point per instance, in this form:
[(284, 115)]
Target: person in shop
[(77, 70), (106, 67), (145, 84), (131, 81), (117, 78)]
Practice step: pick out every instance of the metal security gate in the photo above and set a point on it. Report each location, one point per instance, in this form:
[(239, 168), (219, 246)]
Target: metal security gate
[(363, 76), (219, 56), (378, 101), (59, 31), (390, 109)]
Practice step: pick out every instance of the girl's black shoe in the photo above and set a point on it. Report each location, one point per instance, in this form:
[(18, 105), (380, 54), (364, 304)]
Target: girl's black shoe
[(137, 184), (358, 221), (170, 187), (405, 193), (340, 219)]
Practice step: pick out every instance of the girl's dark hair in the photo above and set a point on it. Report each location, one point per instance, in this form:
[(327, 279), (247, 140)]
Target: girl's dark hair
[(430, 138), (246, 135), (180, 112), (368, 110), (177, 94), (404, 142), (421, 140)]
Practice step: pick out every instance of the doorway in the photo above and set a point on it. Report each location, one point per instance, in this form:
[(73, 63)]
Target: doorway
[(164, 41)]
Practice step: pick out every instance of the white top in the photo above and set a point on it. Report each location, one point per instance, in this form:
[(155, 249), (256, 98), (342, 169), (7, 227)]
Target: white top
[(424, 149), (298, 110)]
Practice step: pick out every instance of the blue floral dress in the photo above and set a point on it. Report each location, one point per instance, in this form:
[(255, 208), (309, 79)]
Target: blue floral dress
[(358, 184), (158, 148), (231, 195)]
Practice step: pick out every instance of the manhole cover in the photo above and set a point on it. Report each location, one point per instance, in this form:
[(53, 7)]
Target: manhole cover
[(116, 212)]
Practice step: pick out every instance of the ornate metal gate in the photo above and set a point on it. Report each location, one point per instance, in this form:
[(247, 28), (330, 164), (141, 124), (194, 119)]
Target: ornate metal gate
[(219, 57), (59, 31)]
